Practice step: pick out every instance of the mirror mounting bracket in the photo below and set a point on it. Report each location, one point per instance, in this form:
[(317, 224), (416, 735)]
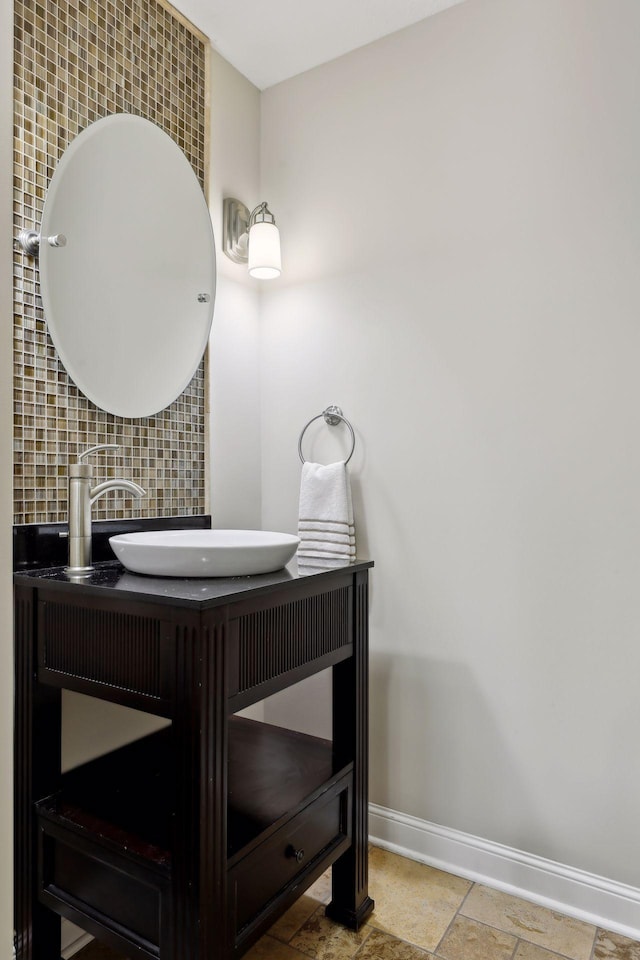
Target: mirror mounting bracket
[(29, 240)]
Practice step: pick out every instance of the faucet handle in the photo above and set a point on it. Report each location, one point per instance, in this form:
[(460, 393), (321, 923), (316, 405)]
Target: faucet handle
[(99, 446), (84, 471)]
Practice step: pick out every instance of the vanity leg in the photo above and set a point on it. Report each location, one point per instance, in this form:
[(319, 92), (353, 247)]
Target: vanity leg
[(199, 854), (36, 775), (351, 903)]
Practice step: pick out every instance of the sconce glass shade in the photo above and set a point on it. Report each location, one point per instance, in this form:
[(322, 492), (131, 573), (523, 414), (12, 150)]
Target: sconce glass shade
[(264, 251)]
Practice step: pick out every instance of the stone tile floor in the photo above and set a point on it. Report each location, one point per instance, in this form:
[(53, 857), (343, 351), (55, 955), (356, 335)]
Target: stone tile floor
[(423, 913)]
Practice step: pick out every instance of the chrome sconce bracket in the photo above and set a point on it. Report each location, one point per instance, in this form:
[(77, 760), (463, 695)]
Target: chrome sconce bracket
[(235, 230)]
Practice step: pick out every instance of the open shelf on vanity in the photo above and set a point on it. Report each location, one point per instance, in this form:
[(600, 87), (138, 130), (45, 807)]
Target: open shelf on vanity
[(106, 836)]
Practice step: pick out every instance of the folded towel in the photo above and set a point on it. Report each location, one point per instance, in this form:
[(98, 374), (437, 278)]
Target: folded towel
[(309, 566), (325, 524)]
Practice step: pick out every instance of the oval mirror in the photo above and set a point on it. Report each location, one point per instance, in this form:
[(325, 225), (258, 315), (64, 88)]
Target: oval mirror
[(128, 298)]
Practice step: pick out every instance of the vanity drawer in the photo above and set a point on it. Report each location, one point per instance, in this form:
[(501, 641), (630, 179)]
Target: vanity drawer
[(282, 863)]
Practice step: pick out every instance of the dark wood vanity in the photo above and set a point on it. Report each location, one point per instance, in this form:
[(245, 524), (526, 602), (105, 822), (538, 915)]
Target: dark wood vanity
[(188, 843)]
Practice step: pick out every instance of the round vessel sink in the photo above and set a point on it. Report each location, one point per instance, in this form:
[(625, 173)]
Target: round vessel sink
[(204, 553)]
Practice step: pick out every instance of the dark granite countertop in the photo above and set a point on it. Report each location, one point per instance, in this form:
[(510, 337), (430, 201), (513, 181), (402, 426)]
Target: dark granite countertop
[(109, 578)]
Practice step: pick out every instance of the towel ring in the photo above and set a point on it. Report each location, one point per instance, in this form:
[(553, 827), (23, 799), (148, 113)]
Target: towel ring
[(333, 416)]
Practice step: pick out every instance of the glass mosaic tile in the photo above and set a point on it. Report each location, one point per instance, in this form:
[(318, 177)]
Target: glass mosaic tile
[(75, 62)]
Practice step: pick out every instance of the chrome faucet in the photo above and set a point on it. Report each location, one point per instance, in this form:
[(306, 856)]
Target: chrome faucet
[(81, 498)]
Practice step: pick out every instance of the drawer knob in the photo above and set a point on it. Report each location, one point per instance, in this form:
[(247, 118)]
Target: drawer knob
[(298, 855)]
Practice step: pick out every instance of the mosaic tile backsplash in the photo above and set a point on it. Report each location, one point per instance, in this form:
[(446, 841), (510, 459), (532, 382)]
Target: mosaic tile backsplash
[(76, 61)]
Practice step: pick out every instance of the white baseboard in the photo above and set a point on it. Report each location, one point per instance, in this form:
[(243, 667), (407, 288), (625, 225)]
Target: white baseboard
[(586, 896), (72, 939)]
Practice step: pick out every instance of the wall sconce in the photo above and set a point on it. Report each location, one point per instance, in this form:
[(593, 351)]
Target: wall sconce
[(251, 238)]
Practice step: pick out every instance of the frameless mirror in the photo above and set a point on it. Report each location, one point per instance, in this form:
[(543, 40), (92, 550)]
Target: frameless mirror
[(128, 294)]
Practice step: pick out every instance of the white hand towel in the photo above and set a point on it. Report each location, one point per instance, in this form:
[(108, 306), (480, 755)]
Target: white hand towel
[(325, 524)]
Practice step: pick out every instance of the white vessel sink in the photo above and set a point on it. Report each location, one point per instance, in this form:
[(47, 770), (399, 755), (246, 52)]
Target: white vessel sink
[(204, 553)]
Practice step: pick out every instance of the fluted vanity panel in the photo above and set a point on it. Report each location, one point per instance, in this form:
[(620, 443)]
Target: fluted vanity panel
[(297, 633), (123, 649)]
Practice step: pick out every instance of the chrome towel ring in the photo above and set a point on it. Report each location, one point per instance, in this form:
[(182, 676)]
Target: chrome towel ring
[(333, 416)]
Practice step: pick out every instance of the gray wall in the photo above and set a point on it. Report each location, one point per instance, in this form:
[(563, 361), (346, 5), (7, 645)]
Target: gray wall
[(459, 207)]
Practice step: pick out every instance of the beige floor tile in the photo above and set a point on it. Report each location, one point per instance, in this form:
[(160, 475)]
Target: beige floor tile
[(382, 946), (413, 901), (535, 924), (323, 939), (469, 940), (269, 949), (321, 889), (529, 951), (291, 921), (319, 892), (613, 946)]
